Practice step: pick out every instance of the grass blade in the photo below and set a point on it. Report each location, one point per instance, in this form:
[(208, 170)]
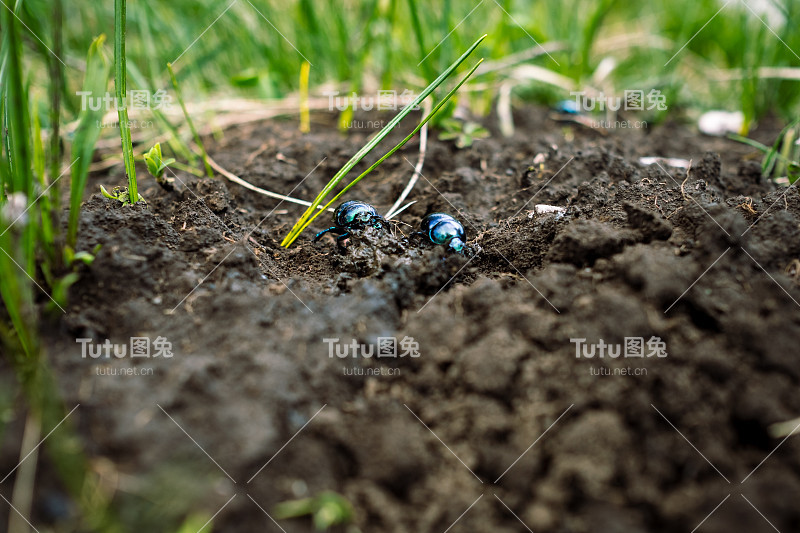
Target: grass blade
[(56, 88), (311, 212), (120, 83), (95, 83)]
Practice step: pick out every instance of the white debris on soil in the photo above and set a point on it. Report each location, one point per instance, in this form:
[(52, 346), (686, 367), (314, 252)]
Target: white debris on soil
[(543, 209), (669, 161), (720, 123)]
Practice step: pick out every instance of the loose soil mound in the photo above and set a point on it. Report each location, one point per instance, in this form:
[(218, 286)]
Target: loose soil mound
[(497, 414)]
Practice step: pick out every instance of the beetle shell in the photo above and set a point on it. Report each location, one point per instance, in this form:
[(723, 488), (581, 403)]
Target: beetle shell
[(441, 228), (353, 213)]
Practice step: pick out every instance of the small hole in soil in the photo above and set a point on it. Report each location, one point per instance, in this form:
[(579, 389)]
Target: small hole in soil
[(751, 433), (702, 319)]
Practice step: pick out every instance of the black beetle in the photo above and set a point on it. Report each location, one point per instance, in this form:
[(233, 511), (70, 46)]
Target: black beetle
[(352, 215), (441, 228)]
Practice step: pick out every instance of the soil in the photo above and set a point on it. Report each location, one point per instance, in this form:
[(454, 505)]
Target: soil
[(497, 425)]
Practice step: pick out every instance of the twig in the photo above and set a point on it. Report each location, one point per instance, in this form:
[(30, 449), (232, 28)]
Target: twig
[(423, 148), (236, 179), (688, 170)]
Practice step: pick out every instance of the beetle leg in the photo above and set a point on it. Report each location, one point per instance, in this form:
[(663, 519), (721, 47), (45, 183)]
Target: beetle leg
[(340, 240), (334, 229)]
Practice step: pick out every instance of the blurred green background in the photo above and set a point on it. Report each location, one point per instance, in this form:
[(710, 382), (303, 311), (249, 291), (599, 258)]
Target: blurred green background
[(700, 53)]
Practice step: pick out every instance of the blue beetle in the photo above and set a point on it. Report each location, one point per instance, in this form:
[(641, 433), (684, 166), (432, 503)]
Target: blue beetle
[(352, 214), (441, 228), (568, 107)]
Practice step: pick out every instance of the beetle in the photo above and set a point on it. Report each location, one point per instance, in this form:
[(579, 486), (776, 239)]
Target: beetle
[(568, 107), (352, 214), (441, 228)]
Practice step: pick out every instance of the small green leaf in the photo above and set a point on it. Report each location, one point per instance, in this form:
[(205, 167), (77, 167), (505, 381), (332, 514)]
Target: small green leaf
[(119, 194), (326, 509), (107, 194), (154, 163), (85, 257), (332, 509)]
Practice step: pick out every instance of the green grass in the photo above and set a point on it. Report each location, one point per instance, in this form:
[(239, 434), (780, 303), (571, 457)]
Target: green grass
[(121, 87), (385, 40)]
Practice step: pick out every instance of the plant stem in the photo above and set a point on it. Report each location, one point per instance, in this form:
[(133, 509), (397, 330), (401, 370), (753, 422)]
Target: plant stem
[(120, 82)]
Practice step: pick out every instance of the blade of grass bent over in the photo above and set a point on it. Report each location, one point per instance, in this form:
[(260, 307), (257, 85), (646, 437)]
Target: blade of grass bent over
[(390, 152), (303, 222)]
